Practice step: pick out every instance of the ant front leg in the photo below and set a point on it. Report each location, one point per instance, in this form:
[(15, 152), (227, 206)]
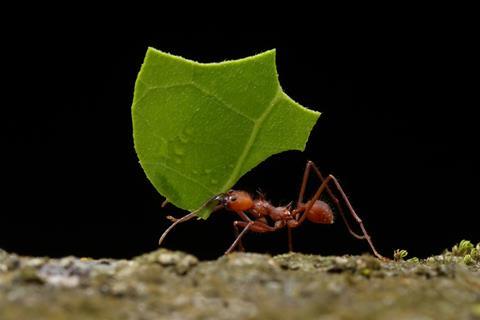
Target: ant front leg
[(237, 233), (246, 219), (246, 226), (259, 226)]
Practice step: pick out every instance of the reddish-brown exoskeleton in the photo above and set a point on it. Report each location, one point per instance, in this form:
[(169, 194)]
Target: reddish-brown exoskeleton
[(256, 213)]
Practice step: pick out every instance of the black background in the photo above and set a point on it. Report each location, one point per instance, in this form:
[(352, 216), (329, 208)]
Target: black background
[(397, 129)]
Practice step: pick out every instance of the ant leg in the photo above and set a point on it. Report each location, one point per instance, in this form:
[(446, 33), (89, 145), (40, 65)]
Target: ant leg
[(256, 226), (292, 224), (306, 174), (356, 217), (243, 223), (237, 233), (247, 226), (322, 187), (335, 200), (290, 244)]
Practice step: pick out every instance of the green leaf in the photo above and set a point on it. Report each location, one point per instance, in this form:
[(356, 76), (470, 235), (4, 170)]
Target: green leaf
[(198, 127)]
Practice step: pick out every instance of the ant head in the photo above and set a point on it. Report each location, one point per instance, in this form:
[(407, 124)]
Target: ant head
[(236, 201)]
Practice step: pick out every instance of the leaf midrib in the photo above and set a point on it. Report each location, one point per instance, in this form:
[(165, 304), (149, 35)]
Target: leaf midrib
[(253, 135)]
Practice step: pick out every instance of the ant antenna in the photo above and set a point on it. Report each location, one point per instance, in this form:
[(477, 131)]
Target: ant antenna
[(216, 198)]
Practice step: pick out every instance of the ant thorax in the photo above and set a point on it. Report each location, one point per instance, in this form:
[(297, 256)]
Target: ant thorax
[(262, 208)]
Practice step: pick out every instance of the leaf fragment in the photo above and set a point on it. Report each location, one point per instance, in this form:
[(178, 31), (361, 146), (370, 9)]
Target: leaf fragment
[(198, 127)]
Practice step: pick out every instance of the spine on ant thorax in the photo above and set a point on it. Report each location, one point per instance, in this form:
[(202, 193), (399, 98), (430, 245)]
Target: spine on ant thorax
[(262, 208)]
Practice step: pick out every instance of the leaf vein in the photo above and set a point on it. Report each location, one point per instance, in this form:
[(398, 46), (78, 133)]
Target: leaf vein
[(221, 101), (202, 90), (251, 139)]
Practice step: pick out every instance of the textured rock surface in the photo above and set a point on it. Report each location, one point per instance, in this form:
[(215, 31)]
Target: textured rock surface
[(173, 285)]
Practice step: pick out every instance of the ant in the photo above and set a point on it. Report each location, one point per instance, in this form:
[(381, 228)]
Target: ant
[(259, 209)]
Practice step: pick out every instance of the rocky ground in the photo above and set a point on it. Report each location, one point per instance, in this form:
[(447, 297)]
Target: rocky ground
[(174, 285)]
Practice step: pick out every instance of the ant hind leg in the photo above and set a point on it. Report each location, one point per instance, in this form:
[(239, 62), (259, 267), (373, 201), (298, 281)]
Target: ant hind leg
[(323, 187), (306, 174), (356, 217)]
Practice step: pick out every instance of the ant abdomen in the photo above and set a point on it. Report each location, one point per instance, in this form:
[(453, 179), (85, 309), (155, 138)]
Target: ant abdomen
[(320, 212)]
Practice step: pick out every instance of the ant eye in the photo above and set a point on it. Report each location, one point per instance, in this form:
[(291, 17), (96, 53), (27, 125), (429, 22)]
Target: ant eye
[(233, 198)]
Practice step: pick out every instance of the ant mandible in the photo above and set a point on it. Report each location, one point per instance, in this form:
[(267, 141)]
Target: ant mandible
[(259, 209)]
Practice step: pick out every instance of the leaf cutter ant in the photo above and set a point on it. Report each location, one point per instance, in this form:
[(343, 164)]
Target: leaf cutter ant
[(259, 215)]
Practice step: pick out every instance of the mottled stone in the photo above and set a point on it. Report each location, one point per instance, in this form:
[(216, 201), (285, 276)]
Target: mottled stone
[(174, 285)]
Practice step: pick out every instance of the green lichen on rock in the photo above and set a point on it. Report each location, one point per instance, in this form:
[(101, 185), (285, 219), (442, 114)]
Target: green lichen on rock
[(174, 285)]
